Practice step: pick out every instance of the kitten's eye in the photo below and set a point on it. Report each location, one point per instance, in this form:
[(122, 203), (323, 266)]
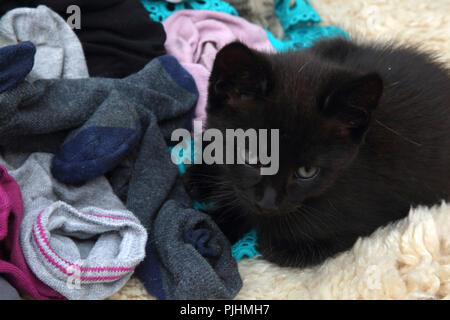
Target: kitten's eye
[(306, 172), (249, 157)]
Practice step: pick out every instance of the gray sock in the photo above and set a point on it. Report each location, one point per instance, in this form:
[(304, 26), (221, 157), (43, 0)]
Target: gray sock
[(80, 241), (175, 267), (59, 53), (192, 249), (39, 116)]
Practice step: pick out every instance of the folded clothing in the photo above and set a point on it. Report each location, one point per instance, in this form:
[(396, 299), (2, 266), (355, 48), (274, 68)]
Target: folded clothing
[(16, 62), (58, 51), (80, 241), (195, 36), (117, 36), (13, 266)]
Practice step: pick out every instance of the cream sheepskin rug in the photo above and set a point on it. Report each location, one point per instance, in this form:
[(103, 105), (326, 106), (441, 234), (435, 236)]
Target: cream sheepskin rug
[(409, 259)]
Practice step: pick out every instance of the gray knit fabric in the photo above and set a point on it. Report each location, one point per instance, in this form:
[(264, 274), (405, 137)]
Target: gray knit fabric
[(42, 115), (59, 53), (7, 291), (188, 265), (38, 116), (80, 241)]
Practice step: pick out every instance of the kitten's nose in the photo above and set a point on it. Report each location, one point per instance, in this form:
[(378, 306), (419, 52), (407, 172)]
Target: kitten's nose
[(268, 200)]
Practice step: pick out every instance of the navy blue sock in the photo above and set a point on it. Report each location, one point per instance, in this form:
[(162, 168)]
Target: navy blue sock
[(16, 62)]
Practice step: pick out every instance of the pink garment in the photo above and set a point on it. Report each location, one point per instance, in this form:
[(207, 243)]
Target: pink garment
[(12, 262), (195, 36)]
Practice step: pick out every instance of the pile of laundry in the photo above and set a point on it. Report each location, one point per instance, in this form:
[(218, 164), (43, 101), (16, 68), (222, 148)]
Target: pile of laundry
[(88, 192)]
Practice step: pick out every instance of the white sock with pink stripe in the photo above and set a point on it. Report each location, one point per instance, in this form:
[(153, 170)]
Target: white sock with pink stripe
[(80, 241)]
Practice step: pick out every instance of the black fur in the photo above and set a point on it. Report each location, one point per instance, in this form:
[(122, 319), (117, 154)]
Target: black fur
[(375, 120)]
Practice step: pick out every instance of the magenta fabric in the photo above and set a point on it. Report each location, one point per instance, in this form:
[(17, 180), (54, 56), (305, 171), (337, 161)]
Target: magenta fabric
[(195, 36), (12, 262)]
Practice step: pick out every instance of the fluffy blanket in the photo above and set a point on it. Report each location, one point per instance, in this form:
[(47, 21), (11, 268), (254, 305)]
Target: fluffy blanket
[(409, 259)]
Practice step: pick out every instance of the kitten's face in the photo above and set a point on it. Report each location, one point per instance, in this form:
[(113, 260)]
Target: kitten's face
[(322, 114)]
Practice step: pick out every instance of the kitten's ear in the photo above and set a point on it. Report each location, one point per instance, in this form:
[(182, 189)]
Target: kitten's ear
[(239, 73), (353, 102)]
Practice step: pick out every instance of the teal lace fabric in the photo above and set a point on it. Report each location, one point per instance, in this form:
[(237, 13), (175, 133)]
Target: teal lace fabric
[(160, 10), (304, 36), (301, 26), (294, 13), (246, 247), (297, 17)]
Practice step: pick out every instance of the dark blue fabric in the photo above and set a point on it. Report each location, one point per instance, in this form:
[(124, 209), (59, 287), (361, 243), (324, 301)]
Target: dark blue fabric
[(93, 152), (16, 62), (199, 240), (149, 273), (179, 75)]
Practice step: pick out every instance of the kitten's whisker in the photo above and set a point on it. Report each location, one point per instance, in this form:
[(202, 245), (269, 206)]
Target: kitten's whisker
[(303, 67), (398, 134)]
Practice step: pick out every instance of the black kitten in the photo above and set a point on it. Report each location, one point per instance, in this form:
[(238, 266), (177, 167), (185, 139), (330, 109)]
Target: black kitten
[(364, 136)]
